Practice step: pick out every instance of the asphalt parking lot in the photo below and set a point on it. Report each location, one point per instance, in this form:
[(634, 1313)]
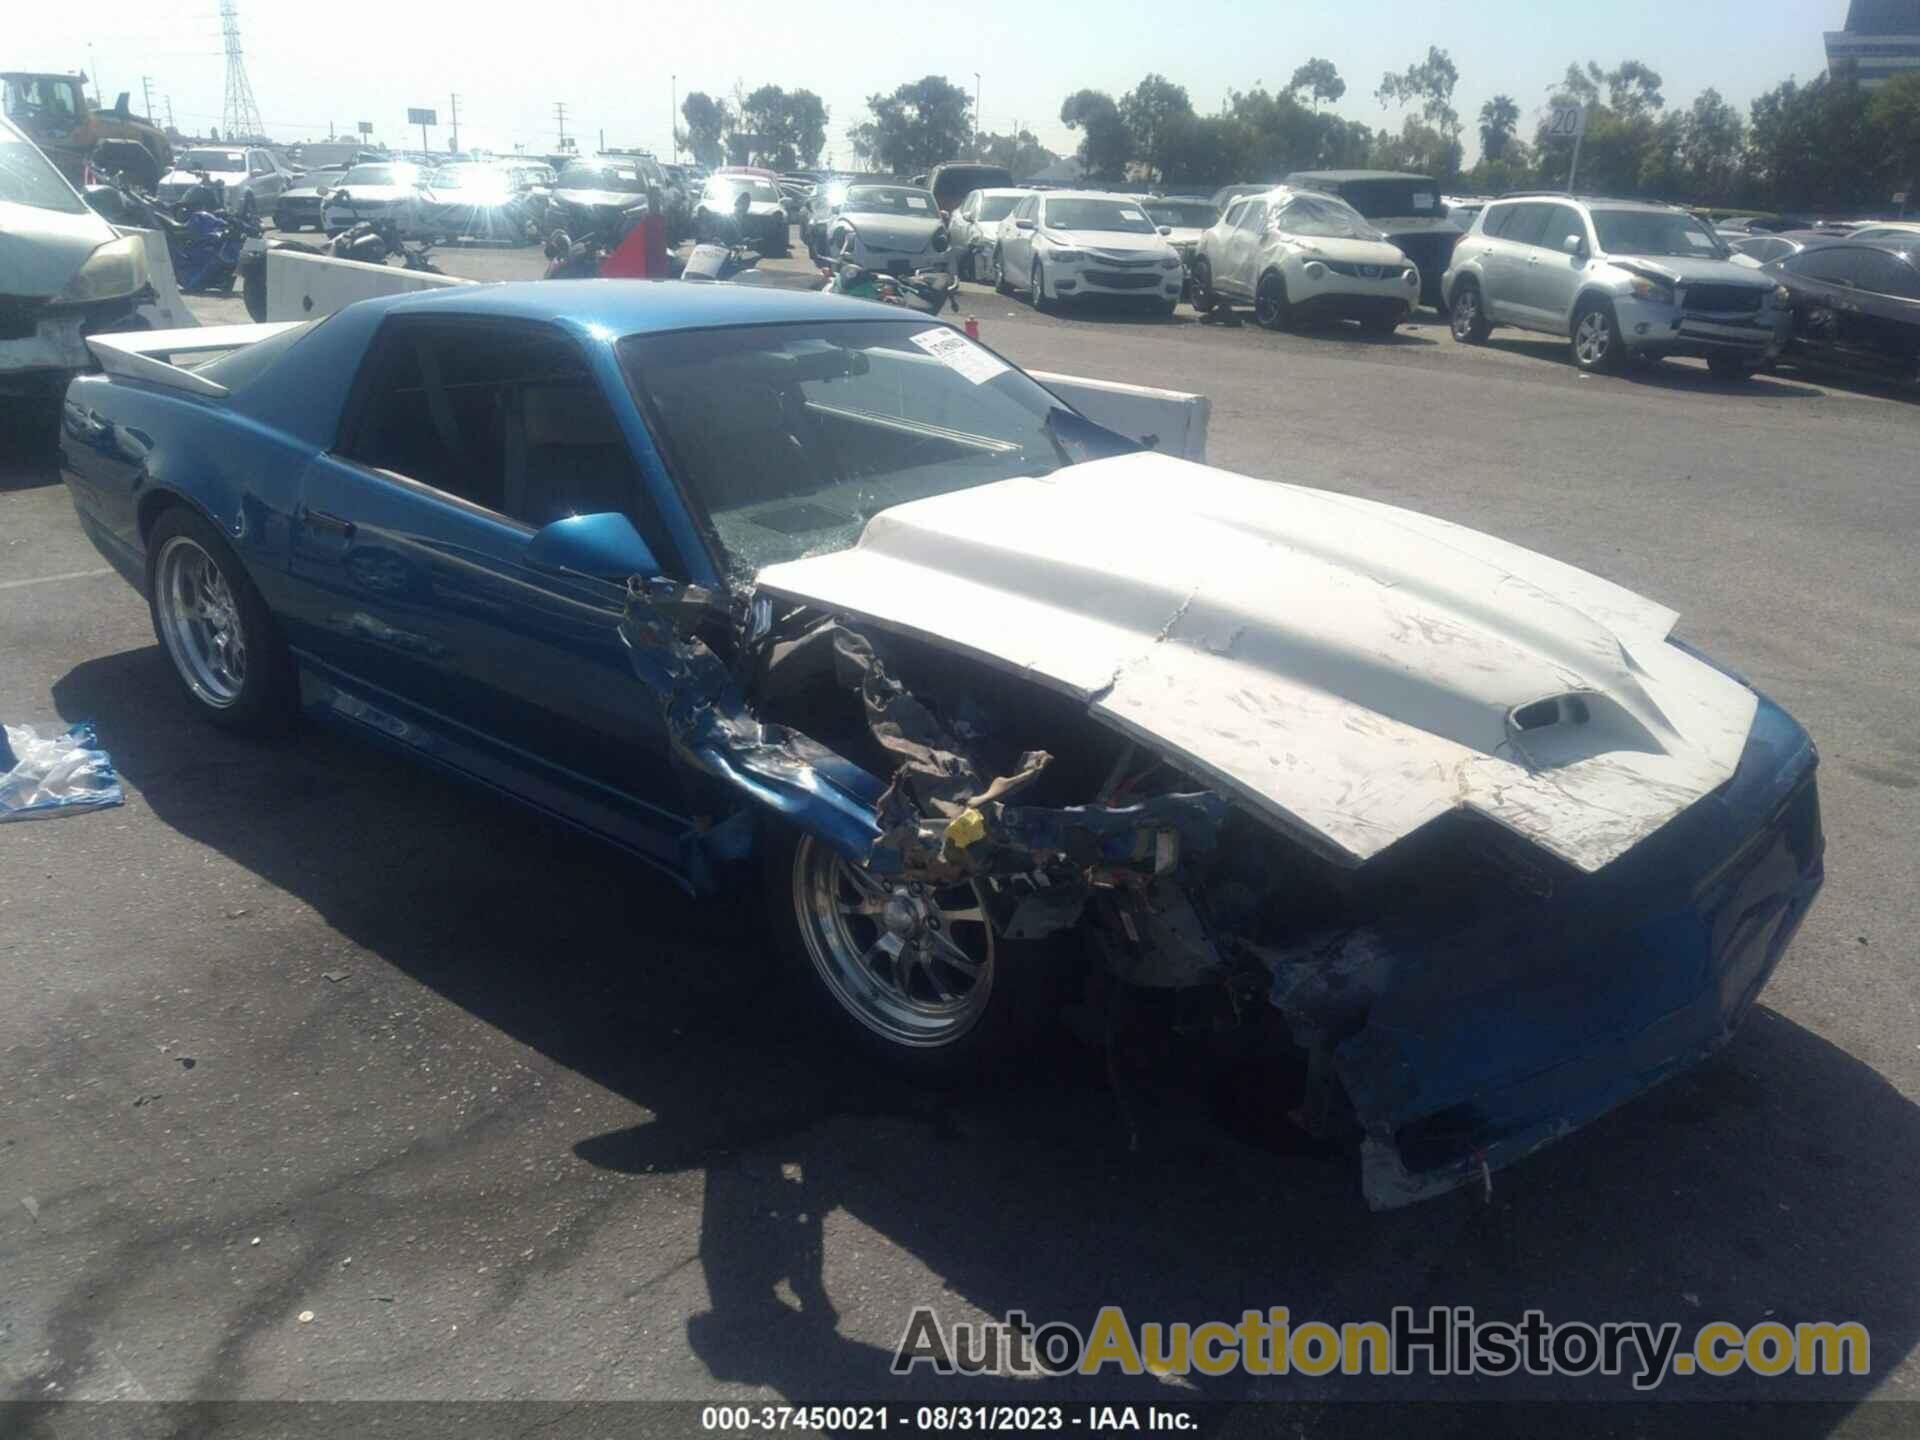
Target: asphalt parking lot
[(303, 1029)]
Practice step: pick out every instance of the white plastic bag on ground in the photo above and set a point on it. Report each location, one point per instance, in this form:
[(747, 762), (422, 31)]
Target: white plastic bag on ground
[(47, 777)]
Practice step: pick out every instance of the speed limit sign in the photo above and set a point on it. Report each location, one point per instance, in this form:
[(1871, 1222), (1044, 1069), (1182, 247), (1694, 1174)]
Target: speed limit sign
[(1567, 122)]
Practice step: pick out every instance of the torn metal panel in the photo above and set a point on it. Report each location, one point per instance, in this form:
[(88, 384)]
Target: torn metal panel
[(713, 732), (1465, 1049), (1349, 670)]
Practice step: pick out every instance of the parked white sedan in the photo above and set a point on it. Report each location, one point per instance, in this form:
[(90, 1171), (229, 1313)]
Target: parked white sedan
[(975, 228), (1296, 254), (1066, 244)]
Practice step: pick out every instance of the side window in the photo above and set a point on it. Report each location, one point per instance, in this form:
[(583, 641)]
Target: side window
[(504, 417), (1254, 217), (1835, 266), (1231, 220), (1529, 223), (1498, 218), (1562, 221), (1885, 274), (1286, 217)]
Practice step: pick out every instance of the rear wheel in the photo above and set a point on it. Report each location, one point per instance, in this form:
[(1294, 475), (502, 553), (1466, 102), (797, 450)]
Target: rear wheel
[(1596, 338), (911, 973), (224, 648), (1270, 305), (1468, 318)]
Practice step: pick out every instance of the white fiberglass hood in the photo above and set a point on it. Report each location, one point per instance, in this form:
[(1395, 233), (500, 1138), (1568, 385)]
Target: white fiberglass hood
[(1345, 668)]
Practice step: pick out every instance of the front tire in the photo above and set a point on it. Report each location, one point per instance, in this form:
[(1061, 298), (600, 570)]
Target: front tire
[(914, 976), (1597, 348), (1204, 299), (221, 642), (1468, 317), (1039, 289), (1270, 305)]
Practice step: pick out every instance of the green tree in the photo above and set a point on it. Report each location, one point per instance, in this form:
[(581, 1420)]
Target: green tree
[(919, 125), (1894, 112), (1713, 144), (1813, 146), (1147, 110), (778, 128), (1202, 152), (1499, 118), (1429, 84), (1320, 80), (1105, 144), (1023, 153), (708, 120)]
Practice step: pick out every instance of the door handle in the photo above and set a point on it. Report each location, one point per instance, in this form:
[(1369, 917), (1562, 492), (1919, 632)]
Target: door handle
[(327, 523)]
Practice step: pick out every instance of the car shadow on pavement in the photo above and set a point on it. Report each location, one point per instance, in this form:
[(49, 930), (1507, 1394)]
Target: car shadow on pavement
[(1774, 1182), (1660, 375)]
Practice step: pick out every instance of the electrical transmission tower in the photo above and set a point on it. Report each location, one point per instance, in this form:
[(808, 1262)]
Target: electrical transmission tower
[(241, 117)]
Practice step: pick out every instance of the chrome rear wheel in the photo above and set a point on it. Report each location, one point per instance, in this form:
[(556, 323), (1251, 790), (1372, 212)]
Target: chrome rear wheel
[(200, 622)]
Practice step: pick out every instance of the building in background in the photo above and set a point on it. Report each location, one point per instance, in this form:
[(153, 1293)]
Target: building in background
[(1881, 40)]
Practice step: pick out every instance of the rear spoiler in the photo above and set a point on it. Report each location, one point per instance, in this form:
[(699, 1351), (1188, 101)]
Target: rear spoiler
[(145, 354)]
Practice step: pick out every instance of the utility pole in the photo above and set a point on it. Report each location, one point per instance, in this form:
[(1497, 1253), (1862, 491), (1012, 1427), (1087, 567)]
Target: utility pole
[(170, 125), (976, 114), (456, 123), (603, 139), (560, 119), (146, 94), (673, 118)]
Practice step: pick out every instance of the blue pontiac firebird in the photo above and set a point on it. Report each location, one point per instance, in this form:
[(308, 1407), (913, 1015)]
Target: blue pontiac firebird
[(1010, 710)]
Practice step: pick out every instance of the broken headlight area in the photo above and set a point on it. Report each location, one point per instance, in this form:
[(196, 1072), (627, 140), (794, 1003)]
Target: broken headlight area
[(1452, 1004)]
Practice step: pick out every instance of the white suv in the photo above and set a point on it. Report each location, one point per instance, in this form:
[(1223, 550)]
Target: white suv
[(1296, 255), (1622, 279)]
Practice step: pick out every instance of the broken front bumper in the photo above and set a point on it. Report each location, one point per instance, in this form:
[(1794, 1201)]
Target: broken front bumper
[(1481, 1045)]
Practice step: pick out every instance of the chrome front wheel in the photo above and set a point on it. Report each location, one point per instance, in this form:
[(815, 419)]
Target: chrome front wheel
[(911, 963), (200, 622)]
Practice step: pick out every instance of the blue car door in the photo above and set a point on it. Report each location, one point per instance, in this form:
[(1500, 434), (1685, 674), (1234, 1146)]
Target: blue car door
[(412, 602)]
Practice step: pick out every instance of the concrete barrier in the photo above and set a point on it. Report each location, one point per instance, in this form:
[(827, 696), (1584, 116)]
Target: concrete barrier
[(301, 287), (1172, 422), (304, 287), (166, 311)]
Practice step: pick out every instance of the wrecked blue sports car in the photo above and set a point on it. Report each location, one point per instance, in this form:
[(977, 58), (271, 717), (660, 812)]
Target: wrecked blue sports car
[(1015, 715)]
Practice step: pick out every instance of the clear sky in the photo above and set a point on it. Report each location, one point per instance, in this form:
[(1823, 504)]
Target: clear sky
[(613, 64)]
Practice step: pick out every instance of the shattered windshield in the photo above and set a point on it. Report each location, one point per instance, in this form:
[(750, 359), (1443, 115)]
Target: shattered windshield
[(791, 437), (1655, 232), (1322, 215)]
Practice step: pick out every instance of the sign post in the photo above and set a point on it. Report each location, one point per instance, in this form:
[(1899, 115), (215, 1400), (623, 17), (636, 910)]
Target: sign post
[(422, 118), (1569, 122), (366, 128)]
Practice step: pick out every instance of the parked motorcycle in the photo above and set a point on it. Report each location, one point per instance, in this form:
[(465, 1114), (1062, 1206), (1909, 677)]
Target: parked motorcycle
[(929, 291), (580, 259)]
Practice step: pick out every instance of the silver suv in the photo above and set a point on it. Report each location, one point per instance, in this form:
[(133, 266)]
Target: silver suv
[(1622, 279)]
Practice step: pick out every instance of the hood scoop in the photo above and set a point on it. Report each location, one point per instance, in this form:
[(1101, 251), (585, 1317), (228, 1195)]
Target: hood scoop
[(1348, 670)]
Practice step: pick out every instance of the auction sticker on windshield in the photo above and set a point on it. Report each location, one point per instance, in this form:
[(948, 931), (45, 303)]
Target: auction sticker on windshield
[(956, 352)]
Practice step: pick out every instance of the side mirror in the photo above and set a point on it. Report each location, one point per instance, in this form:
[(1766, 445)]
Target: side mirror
[(1023, 224), (1574, 244), (605, 546), (1166, 229)]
